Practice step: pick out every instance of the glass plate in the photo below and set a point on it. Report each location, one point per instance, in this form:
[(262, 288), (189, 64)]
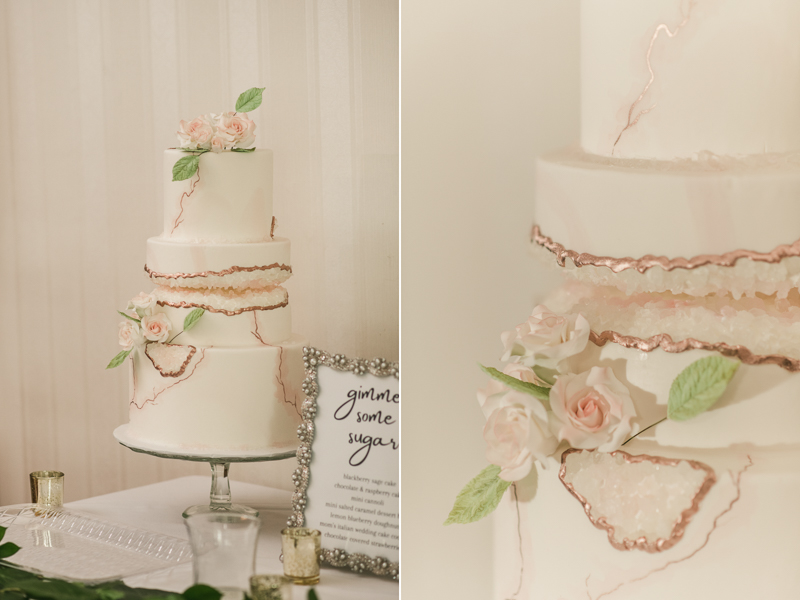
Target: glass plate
[(67, 545)]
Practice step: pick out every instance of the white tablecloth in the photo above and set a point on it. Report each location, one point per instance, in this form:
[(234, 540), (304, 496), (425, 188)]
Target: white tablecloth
[(158, 508)]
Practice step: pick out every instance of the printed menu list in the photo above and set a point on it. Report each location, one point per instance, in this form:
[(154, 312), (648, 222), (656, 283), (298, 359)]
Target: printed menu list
[(364, 518), (353, 492)]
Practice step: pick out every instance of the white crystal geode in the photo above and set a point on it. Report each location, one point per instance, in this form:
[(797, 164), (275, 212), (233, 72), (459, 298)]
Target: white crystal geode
[(643, 502)]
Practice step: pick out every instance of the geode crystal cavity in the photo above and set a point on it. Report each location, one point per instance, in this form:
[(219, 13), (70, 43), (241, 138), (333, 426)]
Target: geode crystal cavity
[(643, 502)]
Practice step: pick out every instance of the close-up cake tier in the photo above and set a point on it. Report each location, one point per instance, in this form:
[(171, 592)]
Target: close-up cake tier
[(685, 226), (218, 399), (228, 199), (205, 265), (665, 79)]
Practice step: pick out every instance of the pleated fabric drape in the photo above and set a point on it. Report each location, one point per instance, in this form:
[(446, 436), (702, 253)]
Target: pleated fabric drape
[(91, 93)]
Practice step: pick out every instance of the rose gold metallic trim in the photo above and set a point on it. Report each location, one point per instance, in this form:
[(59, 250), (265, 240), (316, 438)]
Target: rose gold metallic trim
[(641, 543), (661, 27), (688, 556), (155, 275), (664, 341), (255, 331), (161, 391), (668, 264), (180, 371), (184, 196), (229, 313), (272, 227)]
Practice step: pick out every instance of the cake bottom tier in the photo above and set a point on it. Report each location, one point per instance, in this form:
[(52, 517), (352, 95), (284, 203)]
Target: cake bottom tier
[(217, 399), (743, 542)]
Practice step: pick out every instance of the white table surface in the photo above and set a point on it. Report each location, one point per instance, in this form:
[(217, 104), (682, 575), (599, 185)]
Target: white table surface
[(158, 508)]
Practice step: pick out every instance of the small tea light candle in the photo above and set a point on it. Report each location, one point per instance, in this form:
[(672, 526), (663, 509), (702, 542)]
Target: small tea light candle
[(270, 587), (301, 554), (47, 489)]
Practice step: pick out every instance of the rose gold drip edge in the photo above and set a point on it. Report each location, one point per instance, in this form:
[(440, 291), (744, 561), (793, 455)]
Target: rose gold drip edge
[(229, 313), (180, 371), (665, 342), (648, 261), (641, 543), (156, 275)]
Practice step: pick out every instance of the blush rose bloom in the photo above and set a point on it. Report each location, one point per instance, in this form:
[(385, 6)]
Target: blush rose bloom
[(220, 143), (196, 133), (142, 303), (156, 327), (592, 409), (130, 335), (546, 339), (237, 129)]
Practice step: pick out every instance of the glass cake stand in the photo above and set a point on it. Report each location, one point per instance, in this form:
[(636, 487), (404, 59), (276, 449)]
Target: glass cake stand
[(220, 466)]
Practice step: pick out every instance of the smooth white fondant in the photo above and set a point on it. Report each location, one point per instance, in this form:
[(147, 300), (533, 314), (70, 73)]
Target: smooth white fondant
[(624, 209), (168, 257), (231, 399), (727, 82), (750, 554), (231, 202), (242, 330)]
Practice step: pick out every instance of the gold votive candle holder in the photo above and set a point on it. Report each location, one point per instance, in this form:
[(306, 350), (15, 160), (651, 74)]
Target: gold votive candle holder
[(301, 547), (270, 587), (47, 489)]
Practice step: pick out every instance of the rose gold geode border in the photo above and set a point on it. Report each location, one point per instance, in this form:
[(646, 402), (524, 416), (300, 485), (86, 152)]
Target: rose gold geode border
[(229, 313), (665, 342), (180, 371), (156, 275), (641, 543), (648, 261)]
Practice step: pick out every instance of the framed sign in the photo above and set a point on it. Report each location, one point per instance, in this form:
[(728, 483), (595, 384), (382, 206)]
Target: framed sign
[(348, 477)]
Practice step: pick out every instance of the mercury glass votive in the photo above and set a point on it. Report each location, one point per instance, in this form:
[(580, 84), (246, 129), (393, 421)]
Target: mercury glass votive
[(301, 554), (270, 587), (47, 489)]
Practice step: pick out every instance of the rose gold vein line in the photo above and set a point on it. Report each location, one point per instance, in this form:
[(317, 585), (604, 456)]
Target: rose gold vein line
[(272, 227), (665, 342), (180, 371), (642, 543), (229, 313), (661, 27), (155, 275), (255, 333), (519, 536), (185, 195), (705, 542), (648, 261), (157, 394)]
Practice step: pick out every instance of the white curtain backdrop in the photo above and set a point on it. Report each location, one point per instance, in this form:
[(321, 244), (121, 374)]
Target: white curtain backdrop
[(91, 92)]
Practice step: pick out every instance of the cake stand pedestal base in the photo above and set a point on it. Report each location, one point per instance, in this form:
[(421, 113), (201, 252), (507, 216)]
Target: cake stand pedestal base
[(220, 466)]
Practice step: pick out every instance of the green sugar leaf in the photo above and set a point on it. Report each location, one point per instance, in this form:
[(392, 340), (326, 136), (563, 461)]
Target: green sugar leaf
[(479, 497), (249, 100), (192, 318), (2, 533), (243, 149), (312, 595), (8, 549), (118, 359), (201, 592), (185, 167), (110, 594), (699, 386), (129, 317), (534, 390)]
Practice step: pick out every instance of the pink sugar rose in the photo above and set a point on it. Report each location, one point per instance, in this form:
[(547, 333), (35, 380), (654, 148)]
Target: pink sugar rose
[(196, 133), (156, 327), (220, 143), (592, 409), (546, 339), (142, 303), (237, 129), (129, 335)]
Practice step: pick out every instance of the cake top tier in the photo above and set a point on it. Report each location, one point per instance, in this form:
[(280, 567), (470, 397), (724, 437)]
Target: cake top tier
[(666, 79), (228, 200)]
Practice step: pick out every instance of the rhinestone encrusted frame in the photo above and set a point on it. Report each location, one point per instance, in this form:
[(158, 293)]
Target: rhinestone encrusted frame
[(312, 359)]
